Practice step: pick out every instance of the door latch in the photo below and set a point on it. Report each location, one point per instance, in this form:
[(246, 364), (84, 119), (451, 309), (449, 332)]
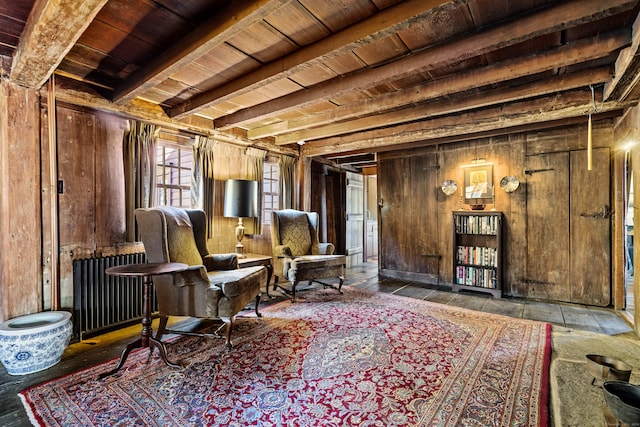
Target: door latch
[(604, 213)]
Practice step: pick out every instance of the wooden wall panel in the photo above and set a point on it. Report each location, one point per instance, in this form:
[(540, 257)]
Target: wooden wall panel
[(415, 217), (109, 184), (20, 213)]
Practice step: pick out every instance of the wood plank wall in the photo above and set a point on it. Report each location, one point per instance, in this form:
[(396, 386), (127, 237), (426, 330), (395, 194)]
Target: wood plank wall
[(415, 216), (20, 209)]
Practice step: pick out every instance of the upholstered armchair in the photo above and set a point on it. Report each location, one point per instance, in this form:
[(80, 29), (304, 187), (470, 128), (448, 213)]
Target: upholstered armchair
[(212, 286), (297, 253)]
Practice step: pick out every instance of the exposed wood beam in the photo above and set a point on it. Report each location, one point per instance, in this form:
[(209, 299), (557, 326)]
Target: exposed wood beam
[(379, 25), (467, 81), (52, 29), (561, 106), (82, 95), (421, 92), (627, 69), (235, 18), (556, 18)]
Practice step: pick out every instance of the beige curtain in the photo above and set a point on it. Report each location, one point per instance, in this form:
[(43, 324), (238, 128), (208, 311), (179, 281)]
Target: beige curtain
[(285, 183), (139, 151), (255, 171), (203, 184)]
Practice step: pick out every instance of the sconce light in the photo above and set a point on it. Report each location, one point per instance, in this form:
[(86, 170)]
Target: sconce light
[(509, 184), (449, 187), (240, 201)]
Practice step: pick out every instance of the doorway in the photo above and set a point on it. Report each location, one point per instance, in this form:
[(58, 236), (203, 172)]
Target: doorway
[(371, 218), (629, 304)]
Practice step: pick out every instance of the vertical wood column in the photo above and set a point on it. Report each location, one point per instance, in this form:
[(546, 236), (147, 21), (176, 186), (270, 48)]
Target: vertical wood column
[(20, 201)]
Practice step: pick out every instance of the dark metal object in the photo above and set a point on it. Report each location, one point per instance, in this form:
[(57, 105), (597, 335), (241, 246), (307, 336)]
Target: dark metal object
[(607, 368), (623, 399)]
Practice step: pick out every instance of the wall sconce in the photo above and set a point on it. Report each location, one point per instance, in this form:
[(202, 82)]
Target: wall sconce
[(240, 201), (449, 187)]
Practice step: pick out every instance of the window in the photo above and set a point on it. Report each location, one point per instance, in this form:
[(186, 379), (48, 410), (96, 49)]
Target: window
[(270, 198), (173, 175)]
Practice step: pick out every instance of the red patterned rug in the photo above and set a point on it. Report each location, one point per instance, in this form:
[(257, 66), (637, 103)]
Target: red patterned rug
[(359, 359)]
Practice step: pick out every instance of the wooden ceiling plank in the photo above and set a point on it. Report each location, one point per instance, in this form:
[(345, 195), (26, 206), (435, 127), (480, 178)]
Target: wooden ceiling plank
[(237, 17), (549, 108), (581, 51), (52, 29), (627, 69), (442, 107), (555, 18), (379, 25)]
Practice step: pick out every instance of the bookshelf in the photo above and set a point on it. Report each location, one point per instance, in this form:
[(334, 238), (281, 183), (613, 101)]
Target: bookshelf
[(477, 263)]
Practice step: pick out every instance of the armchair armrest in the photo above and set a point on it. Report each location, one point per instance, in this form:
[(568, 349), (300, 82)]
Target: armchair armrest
[(214, 262), (281, 251), (194, 275), (323, 249)]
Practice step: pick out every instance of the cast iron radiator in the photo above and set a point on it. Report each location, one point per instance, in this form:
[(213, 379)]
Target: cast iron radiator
[(103, 302)]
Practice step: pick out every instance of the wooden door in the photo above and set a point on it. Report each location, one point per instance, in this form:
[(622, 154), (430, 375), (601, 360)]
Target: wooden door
[(354, 219), (590, 248), (547, 185), (568, 228)]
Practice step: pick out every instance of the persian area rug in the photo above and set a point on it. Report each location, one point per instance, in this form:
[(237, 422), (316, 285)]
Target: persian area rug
[(359, 359)]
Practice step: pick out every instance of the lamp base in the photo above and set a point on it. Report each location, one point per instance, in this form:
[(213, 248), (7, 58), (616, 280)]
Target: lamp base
[(239, 237), (240, 250)]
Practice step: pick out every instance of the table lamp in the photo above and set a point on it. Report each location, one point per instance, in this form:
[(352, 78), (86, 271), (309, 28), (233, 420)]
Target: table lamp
[(240, 201)]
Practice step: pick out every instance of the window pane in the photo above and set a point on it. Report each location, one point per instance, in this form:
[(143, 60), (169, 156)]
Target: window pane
[(174, 175)]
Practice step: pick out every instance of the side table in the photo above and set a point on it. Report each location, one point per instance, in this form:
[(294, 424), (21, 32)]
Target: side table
[(252, 260), (146, 339)]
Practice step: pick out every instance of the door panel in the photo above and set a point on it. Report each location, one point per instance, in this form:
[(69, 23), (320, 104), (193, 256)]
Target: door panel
[(355, 219), (590, 229), (568, 228), (547, 185)]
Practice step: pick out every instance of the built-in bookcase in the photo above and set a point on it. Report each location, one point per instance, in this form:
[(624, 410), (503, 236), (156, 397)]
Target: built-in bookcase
[(477, 248)]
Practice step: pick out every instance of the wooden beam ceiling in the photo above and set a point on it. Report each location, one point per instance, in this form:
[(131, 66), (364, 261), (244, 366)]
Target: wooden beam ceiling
[(380, 25), (556, 18), (52, 29), (543, 109), (233, 20)]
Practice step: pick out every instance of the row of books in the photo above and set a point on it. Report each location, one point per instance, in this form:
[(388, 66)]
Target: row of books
[(477, 224), (476, 276), (477, 255)]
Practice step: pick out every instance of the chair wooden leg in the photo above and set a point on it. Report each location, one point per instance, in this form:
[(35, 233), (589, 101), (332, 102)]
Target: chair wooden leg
[(275, 283), (227, 336), (258, 305), (340, 284), (161, 327), (293, 291)]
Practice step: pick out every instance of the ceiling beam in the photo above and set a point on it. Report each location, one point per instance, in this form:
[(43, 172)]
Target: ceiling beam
[(52, 29), (77, 93), (503, 71), (235, 18), (627, 69), (381, 24), (448, 106), (563, 56), (549, 108), (555, 18)]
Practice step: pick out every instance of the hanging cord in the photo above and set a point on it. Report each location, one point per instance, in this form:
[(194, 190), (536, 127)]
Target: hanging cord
[(593, 99)]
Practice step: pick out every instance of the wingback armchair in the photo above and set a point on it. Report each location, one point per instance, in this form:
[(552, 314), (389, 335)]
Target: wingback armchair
[(297, 253), (212, 286)]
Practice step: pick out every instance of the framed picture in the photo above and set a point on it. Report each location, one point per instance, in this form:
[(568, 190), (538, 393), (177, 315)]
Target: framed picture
[(478, 183)]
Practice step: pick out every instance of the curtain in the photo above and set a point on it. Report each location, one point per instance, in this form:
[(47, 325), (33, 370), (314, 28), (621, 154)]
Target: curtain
[(287, 167), (255, 171), (139, 152), (203, 184)]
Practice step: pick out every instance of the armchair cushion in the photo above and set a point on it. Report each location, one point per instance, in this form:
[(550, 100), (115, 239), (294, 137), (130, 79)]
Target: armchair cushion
[(180, 233), (295, 233), (221, 262)]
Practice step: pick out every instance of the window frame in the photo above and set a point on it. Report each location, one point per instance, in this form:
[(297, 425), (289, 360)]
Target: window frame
[(270, 175), (164, 191)]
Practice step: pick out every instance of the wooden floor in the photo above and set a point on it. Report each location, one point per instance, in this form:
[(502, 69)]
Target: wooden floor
[(109, 346)]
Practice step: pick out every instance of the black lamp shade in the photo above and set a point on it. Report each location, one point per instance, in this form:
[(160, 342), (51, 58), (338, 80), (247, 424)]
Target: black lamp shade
[(241, 198)]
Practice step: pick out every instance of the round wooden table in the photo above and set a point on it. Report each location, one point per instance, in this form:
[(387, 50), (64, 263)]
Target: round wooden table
[(146, 271)]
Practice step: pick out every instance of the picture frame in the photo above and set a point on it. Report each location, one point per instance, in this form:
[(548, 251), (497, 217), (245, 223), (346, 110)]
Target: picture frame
[(478, 184)]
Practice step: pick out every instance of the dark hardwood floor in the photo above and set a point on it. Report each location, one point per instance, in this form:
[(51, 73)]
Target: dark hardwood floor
[(109, 346)]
